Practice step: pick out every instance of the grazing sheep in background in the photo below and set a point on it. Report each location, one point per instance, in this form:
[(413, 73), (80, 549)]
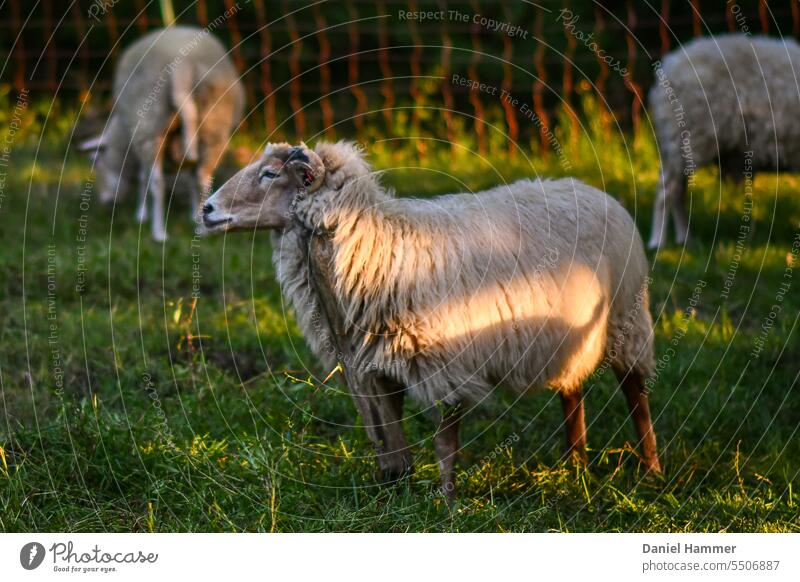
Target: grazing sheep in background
[(175, 90), (526, 285), (731, 99)]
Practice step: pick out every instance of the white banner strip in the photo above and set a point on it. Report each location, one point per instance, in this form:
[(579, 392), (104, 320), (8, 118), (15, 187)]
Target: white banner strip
[(400, 557)]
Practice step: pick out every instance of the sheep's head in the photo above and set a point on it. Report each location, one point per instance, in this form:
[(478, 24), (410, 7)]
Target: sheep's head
[(112, 163), (262, 194)]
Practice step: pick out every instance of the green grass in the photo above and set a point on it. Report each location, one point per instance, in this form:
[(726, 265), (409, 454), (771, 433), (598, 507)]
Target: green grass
[(172, 418)]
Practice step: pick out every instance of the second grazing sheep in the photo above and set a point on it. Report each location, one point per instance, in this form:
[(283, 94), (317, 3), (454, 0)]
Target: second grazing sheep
[(176, 92), (730, 99), (526, 286)]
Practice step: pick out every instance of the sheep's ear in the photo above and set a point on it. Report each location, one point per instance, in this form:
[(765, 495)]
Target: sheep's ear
[(93, 144), (306, 168)]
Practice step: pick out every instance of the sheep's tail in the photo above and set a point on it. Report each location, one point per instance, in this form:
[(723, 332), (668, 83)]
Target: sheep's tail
[(182, 95)]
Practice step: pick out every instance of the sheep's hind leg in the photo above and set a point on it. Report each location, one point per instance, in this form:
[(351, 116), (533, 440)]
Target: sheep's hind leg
[(632, 384), (446, 443), (575, 424)]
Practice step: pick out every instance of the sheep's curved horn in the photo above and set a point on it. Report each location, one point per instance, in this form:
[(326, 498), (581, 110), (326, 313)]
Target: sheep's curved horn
[(93, 143), (308, 167)]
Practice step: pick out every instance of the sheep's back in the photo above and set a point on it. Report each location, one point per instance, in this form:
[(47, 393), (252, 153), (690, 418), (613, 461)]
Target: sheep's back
[(513, 285), (141, 78), (733, 93)]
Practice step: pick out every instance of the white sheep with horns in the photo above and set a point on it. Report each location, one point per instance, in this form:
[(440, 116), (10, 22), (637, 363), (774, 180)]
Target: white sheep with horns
[(731, 100), (527, 285)]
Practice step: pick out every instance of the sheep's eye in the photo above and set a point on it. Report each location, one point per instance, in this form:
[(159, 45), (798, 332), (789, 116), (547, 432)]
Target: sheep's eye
[(268, 174)]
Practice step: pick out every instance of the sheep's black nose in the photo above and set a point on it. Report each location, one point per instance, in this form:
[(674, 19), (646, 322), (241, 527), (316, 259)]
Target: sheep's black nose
[(208, 209)]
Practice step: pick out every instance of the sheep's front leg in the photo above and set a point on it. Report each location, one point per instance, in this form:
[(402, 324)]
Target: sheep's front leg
[(378, 399), (156, 181), (668, 197), (446, 443), (633, 387), (141, 211), (679, 210), (380, 403), (575, 424)]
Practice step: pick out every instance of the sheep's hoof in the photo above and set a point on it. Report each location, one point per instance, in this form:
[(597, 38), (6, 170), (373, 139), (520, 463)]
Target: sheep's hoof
[(448, 491), (390, 474), (576, 457), (652, 468)]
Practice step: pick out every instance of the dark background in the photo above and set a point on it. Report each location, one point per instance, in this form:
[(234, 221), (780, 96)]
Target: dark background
[(316, 64)]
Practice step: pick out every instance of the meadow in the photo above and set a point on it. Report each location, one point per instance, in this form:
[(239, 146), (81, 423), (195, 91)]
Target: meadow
[(150, 387)]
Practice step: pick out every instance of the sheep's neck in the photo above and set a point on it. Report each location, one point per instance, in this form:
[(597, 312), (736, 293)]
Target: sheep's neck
[(320, 258)]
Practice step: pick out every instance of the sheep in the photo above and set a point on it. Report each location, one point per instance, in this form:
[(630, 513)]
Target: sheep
[(175, 90), (730, 99), (527, 285)]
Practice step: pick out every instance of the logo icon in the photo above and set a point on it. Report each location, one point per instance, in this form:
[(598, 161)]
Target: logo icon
[(31, 555)]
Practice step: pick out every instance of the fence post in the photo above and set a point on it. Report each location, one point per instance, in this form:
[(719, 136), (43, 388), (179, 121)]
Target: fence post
[(447, 92), (538, 85), (762, 15), (295, 86), (663, 27), (231, 10), (353, 71), (324, 73), (795, 18), (568, 83), (386, 70), (80, 27), (416, 73), (630, 83), (507, 85), (697, 25), (602, 76), (265, 66), (167, 12), (141, 17)]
